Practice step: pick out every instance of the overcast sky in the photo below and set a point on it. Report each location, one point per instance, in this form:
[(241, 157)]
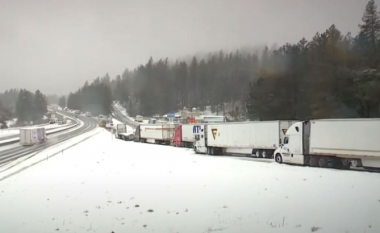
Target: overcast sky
[(55, 45)]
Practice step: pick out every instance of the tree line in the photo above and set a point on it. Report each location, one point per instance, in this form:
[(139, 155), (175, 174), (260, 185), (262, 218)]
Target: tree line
[(95, 97), (22, 104), (333, 75)]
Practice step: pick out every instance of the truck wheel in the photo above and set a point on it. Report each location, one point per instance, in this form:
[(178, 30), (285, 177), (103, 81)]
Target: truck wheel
[(313, 161), (344, 164), (259, 154), (208, 151), (322, 162), (264, 154), (278, 158)]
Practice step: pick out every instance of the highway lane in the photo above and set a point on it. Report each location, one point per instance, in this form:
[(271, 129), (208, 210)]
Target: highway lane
[(10, 154), (49, 128), (120, 117)]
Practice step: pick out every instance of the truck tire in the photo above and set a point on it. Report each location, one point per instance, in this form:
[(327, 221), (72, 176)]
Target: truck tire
[(264, 154), (208, 150), (278, 158), (313, 161), (344, 164), (259, 154), (322, 162)]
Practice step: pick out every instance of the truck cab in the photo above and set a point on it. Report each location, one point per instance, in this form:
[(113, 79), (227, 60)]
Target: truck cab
[(200, 145), (292, 150)]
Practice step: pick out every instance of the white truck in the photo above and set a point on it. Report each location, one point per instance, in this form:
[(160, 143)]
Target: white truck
[(256, 138), (157, 133), (338, 143), (31, 136), (123, 132)]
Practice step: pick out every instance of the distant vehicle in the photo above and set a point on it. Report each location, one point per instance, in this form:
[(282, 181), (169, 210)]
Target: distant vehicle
[(88, 114), (65, 109), (139, 118), (77, 112), (121, 132), (109, 125), (102, 123), (31, 136), (53, 120), (152, 121), (60, 122)]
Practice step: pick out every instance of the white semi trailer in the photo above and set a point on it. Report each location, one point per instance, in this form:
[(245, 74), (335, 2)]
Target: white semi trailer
[(339, 143), (257, 138), (155, 133)]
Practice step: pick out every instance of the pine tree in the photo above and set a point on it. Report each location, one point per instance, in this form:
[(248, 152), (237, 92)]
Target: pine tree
[(40, 105), (62, 102), (370, 30)]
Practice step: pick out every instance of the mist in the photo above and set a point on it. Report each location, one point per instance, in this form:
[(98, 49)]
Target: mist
[(55, 46)]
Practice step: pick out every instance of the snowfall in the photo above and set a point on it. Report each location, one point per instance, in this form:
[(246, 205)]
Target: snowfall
[(107, 185)]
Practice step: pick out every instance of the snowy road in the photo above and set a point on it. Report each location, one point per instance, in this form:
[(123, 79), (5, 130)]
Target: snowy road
[(109, 185)]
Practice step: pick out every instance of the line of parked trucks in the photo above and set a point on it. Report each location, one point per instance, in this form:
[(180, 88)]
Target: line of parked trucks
[(335, 143)]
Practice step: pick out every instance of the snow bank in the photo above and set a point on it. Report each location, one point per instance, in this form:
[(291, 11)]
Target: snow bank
[(109, 185)]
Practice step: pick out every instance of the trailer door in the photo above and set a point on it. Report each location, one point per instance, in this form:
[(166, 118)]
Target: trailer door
[(200, 136)]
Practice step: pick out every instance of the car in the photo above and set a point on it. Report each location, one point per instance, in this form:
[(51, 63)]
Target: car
[(88, 114)]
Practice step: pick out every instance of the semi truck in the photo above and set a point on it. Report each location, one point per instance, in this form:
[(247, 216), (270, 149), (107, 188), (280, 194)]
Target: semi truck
[(257, 138), (31, 136), (157, 133), (337, 143), (184, 136), (123, 132)]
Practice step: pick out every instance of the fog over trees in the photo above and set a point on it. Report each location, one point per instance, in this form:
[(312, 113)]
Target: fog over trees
[(332, 75)]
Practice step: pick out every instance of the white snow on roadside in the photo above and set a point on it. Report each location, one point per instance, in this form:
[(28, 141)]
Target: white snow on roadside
[(105, 185), (109, 185)]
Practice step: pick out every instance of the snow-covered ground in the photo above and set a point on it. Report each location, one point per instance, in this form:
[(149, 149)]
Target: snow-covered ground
[(108, 185)]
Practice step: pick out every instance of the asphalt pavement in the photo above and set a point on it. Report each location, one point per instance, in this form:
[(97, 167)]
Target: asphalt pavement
[(13, 153)]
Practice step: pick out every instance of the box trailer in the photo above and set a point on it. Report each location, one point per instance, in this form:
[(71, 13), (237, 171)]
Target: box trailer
[(184, 136), (339, 143), (257, 138), (31, 136), (157, 133)]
